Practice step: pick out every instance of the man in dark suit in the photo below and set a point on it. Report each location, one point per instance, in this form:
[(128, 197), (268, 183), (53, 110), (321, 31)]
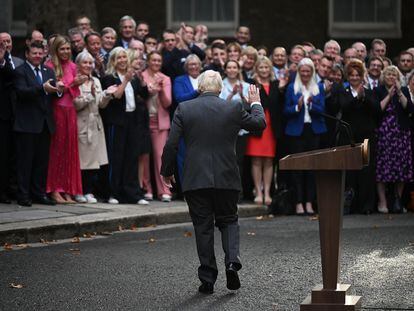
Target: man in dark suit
[(211, 180), (12, 60), (33, 125)]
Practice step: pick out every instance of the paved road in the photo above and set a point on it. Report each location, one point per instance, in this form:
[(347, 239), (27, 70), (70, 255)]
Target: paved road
[(155, 268)]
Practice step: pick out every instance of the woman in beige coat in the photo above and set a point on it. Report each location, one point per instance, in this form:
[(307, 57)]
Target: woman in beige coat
[(91, 136)]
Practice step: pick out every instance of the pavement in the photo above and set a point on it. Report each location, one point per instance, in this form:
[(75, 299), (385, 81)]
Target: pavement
[(20, 225)]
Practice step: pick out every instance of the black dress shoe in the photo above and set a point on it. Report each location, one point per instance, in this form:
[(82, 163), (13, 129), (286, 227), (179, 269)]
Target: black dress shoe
[(24, 202), (44, 200), (206, 288), (5, 199), (233, 281)]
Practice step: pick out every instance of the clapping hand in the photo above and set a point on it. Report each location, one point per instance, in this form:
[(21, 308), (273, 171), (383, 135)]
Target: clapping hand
[(309, 101), (112, 89), (49, 88), (80, 79), (129, 75), (300, 103), (254, 94), (60, 87), (328, 85)]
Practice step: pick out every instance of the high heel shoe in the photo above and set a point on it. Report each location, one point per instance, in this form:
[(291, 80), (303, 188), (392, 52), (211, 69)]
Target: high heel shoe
[(68, 199), (299, 210), (258, 200), (58, 198), (309, 209)]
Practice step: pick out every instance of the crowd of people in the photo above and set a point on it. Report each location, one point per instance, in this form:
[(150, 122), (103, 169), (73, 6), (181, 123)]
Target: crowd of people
[(85, 115)]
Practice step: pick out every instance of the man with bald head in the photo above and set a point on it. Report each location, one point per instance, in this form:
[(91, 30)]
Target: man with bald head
[(211, 179), (279, 60), (361, 50), (8, 44)]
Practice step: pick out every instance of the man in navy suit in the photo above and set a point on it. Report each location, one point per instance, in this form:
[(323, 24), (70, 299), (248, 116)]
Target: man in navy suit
[(33, 125)]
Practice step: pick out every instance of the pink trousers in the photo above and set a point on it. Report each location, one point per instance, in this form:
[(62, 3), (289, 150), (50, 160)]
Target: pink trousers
[(158, 140)]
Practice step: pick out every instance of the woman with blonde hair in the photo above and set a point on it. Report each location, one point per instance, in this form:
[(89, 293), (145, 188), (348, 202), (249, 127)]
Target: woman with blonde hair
[(304, 100), (394, 150), (64, 175), (262, 146), (122, 130)]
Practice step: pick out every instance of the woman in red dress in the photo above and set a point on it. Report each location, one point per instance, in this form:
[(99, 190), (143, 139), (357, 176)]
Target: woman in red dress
[(262, 146), (64, 175)]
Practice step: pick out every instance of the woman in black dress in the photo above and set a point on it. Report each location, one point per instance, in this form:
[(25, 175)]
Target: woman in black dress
[(360, 109)]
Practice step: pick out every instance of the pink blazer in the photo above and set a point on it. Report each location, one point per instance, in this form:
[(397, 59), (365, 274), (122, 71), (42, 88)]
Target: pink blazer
[(164, 100)]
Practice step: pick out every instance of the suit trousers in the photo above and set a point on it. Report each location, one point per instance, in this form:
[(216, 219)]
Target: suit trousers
[(5, 151), (32, 163), (158, 140), (209, 207), (304, 181), (122, 171)]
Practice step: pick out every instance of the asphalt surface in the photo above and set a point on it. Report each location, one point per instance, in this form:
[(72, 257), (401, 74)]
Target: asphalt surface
[(155, 268)]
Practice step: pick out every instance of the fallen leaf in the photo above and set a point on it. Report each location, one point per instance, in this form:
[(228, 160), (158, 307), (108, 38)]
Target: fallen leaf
[(313, 218), (188, 234), (43, 241), (151, 240), (134, 228), (251, 233), (75, 240), (120, 228), (150, 225), (87, 235), (22, 246), (259, 217), (106, 233), (18, 286), (8, 247)]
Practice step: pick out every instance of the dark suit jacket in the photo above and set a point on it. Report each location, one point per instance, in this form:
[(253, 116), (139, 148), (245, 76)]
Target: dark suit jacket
[(33, 106), (361, 113), (403, 114), (115, 112), (209, 126), (173, 61), (17, 61), (6, 83)]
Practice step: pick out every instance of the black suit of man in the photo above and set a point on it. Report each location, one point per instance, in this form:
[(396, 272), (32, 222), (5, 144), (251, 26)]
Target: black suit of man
[(211, 180), (33, 125), (6, 116)]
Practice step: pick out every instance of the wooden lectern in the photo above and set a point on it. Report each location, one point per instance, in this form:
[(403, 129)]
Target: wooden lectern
[(330, 166)]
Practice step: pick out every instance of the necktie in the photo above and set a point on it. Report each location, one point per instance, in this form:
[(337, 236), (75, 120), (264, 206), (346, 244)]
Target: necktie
[(38, 77), (374, 84)]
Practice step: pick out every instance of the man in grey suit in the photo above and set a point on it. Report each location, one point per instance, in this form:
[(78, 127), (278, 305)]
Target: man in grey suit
[(211, 179)]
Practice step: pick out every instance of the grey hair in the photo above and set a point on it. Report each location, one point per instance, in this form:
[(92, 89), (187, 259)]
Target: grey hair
[(210, 81), (191, 57), (332, 42), (75, 31), (127, 18), (108, 30), (83, 56)]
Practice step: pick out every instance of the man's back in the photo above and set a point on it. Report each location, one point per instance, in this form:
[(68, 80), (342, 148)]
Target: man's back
[(209, 126)]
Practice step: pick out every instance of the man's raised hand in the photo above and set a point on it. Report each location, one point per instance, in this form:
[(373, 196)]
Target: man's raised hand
[(254, 94)]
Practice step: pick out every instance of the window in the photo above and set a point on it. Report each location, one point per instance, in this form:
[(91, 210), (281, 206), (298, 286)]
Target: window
[(365, 18), (13, 17), (19, 18), (220, 16)]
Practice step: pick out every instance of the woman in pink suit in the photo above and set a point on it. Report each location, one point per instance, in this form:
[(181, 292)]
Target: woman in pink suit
[(64, 175), (159, 86)]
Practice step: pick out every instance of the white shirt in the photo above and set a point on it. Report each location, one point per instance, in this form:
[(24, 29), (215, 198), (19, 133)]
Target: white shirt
[(306, 94), (371, 83), (129, 95), (354, 92), (34, 70), (194, 82)]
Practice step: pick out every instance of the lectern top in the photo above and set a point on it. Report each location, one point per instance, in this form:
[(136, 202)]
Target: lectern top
[(337, 158)]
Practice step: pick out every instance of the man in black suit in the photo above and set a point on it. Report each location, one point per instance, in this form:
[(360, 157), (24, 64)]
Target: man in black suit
[(33, 125), (8, 42), (211, 179)]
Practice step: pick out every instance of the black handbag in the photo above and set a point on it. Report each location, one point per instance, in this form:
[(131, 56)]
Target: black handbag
[(282, 202)]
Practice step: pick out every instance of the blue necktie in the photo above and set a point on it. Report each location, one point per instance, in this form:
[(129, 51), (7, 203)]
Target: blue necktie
[(38, 77)]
